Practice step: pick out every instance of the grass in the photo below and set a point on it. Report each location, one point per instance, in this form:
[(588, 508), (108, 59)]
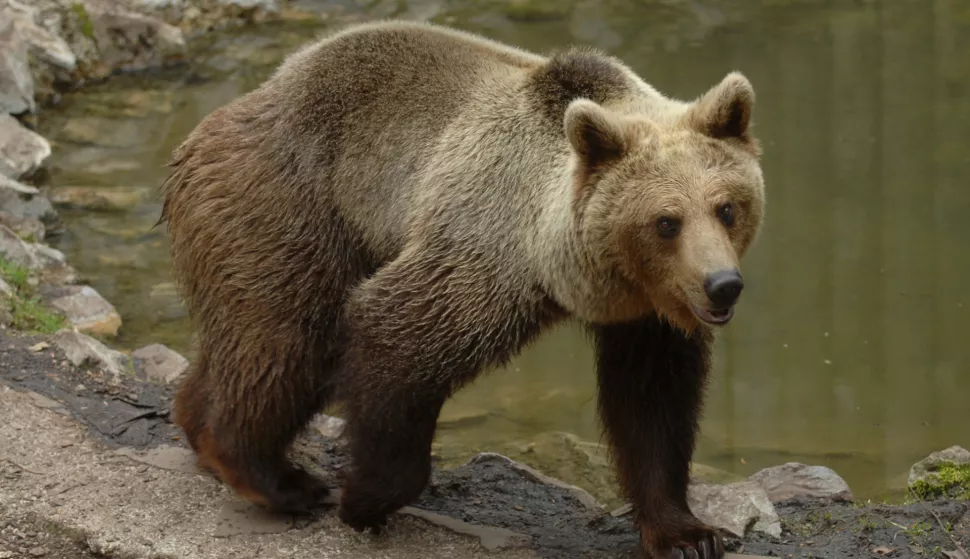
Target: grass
[(26, 309)]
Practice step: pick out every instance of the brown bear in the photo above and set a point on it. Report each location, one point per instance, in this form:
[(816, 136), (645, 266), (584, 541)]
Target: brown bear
[(401, 206)]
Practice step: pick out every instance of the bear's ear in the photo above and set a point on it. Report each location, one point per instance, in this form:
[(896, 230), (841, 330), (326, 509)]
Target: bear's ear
[(598, 138), (724, 112)]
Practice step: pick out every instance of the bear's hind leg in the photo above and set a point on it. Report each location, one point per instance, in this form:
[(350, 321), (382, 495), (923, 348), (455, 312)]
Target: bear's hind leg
[(417, 331), (240, 410)]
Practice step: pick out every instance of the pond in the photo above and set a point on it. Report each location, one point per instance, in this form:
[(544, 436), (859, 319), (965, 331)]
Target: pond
[(850, 347)]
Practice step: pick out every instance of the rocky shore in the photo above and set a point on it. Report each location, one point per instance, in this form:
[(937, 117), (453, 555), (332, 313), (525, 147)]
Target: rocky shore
[(51, 46), (117, 409), (78, 418)]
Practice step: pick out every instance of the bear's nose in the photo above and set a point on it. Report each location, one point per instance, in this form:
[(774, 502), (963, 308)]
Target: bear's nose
[(723, 288)]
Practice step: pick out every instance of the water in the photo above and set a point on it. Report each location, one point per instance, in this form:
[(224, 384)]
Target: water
[(850, 347)]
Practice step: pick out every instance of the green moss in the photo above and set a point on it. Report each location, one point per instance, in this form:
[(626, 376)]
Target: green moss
[(87, 28), (26, 309), (948, 480)]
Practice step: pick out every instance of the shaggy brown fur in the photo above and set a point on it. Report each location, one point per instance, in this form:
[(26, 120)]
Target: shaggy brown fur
[(401, 206)]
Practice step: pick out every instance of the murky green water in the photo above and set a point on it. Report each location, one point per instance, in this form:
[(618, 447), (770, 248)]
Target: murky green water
[(851, 346)]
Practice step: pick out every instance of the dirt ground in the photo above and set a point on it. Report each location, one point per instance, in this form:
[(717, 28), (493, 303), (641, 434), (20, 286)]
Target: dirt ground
[(27, 536), (488, 491)]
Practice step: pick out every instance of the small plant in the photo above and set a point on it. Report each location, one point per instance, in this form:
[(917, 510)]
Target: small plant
[(918, 530), (27, 311), (87, 28), (866, 524), (14, 274)]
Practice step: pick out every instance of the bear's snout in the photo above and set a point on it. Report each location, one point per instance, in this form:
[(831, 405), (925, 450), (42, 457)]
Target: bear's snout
[(723, 288)]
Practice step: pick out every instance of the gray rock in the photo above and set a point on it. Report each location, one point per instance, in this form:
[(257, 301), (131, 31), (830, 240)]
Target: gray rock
[(33, 256), (799, 480), (16, 82), (84, 350), (5, 289), (129, 41), (8, 184), (43, 44), (86, 309), (925, 469), (25, 227), (15, 250), (21, 151), (159, 363), (20, 201), (736, 507)]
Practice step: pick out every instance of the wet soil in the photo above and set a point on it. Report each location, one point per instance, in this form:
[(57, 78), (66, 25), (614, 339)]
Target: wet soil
[(488, 490)]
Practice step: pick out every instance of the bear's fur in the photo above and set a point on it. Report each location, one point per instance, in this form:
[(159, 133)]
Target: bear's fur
[(401, 206)]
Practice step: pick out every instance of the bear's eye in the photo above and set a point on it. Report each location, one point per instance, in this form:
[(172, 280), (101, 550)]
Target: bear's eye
[(668, 227), (725, 212)]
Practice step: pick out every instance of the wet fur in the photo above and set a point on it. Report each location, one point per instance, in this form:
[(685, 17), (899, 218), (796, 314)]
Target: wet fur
[(386, 217)]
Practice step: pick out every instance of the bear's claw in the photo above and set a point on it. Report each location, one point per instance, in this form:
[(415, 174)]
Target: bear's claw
[(708, 546)]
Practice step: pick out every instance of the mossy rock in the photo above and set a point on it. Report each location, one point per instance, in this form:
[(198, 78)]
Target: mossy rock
[(943, 474)]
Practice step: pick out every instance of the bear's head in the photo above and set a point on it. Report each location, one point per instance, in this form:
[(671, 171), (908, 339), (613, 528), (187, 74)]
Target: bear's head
[(669, 197)]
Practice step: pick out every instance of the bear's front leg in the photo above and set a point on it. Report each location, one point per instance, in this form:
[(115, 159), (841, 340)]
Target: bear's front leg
[(651, 379), (416, 332)]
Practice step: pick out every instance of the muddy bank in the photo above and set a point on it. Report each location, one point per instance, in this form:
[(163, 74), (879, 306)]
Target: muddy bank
[(530, 511)]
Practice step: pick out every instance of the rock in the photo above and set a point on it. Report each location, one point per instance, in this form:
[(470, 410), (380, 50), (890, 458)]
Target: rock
[(736, 507), (33, 256), (26, 228), (43, 44), (9, 184), (568, 457), (5, 289), (131, 41), (581, 495), (128, 103), (942, 473), (21, 201), (270, 6), (105, 199), (16, 82), (586, 464), (799, 480), (159, 363), (15, 250), (83, 350), (86, 309), (21, 151), (328, 426)]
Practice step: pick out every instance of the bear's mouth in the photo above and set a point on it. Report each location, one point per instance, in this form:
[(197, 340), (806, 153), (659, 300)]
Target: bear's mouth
[(718, 317)]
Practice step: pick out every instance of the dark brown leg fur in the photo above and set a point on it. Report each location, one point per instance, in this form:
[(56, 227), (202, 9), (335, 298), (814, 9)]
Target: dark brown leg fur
[(651, 382), (418, 330), (240, 417)]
